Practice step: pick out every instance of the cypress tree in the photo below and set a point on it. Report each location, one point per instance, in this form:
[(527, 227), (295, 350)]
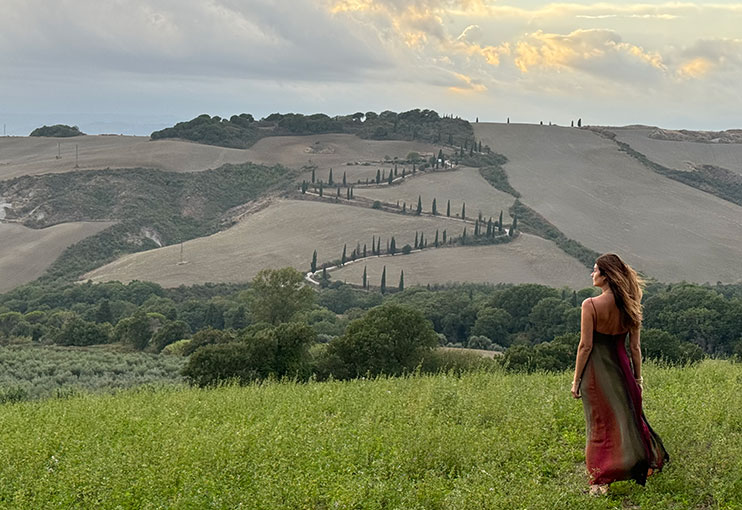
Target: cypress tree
[(373, 245), (515, 222), (574, 295), (435, 209), (435, 243), (393, 246), (480, 146), (320, 188), (365, 282), (338, 192), (415, 239), (329, 179), (395, 169), (422, 240), (463, 237), (387, 245), (463, 211), (404, 207), (314, 262), (419, 205), (324, 274), (351, 192), (489, 228), (378, 246), (364, 250), (391, 178), (401, 280), (344, 181), (444, 236), (499, 223), (342, 260), (448, 209), (353, 254), (383, 280), (378, 176), (383, 175), (476, 228), (404, 171), (312, 175), (347, 193), (303, 187), (413, 169), (440, 155)]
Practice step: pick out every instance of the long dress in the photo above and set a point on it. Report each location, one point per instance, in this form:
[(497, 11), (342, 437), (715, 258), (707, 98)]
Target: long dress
[(620, 443)]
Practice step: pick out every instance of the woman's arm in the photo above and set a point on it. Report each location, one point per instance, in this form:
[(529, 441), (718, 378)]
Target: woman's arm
[(636, 353), (586, 345)]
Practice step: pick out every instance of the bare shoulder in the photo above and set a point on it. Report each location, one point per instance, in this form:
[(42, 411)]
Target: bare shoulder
[(586, 305)]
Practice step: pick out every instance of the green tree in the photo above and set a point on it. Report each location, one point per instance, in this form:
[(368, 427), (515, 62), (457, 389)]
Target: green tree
[(170, 333), (463, 210), (416, 243), (448, 209), (345, 182), (383, 280), (378, 176), (499, 223), (77, 331), (135, 331), (435, 242), (493, 323), (330, 182), (365, 278), (401, 280), (393, 246), (278, 294), (344, 257), (419, 205), (312, 175), (390, 339), (434, 208), (313, 266), (390, 179), (321, 188)]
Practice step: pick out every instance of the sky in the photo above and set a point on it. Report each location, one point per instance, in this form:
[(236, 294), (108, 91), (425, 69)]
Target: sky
[(133, 66)]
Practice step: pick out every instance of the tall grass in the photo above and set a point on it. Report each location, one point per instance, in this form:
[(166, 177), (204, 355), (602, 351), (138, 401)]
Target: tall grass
[(481, 440)]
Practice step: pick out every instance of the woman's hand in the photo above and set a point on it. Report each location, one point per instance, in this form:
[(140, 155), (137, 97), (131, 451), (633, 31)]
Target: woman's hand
[(576, 389)]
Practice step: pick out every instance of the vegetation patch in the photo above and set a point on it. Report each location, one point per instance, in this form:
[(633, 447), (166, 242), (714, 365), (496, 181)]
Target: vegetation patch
[(57, 130), (482, 440), (242, 131), (152, 207)]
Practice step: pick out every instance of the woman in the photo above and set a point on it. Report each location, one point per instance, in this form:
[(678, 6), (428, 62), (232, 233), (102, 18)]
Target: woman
[(620, 443)]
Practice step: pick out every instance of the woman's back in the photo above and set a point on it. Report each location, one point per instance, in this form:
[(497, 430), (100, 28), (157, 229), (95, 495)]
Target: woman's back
[(607, 315)]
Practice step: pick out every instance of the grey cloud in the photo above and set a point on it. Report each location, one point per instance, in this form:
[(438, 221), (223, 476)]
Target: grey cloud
[(250, 38)]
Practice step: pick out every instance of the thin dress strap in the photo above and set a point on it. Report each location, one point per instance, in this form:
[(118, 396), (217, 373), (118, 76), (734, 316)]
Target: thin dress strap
[(595, 316)]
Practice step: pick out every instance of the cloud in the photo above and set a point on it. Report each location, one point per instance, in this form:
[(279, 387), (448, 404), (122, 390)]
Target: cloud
[(595, 50), (202, 39)]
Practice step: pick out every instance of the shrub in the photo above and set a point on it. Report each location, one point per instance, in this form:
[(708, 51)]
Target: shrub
[(389, 339)]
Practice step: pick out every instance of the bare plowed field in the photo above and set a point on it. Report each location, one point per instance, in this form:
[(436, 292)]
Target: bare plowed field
[(25, 253), (283, 234), (39, 155), (608, 201), (458, 186), (528, 259), (681, 155)]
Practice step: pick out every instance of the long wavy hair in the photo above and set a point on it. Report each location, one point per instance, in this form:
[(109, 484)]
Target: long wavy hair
[(626, 286)]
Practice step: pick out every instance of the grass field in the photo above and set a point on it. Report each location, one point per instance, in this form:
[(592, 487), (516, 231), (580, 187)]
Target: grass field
[(459, 186), (284, 234), (483, 440), (38, 155), (608, 201), (25, 253), (528, 259), (681, 155)]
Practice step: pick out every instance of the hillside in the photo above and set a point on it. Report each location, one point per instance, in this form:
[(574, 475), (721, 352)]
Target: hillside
[(25, 253), (681, 154), (609, 201), (483, 440)]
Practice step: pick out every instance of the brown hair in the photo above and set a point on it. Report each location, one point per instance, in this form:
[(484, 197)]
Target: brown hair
[(626, 286)]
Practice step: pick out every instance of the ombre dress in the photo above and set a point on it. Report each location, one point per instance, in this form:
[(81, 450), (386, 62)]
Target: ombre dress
[(620, 443)]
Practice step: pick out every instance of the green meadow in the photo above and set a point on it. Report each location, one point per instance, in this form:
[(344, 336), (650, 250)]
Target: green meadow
[(485, 439)]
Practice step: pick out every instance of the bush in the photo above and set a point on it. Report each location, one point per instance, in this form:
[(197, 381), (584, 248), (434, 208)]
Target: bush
[(60, 130), (456, 360), (390, 339)]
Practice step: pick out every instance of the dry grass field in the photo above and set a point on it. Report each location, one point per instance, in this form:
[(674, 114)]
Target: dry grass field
[(283, 234), (458, 186), (38, 155), (25, 253), (610, 202), (528, 259), (681, 155)]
